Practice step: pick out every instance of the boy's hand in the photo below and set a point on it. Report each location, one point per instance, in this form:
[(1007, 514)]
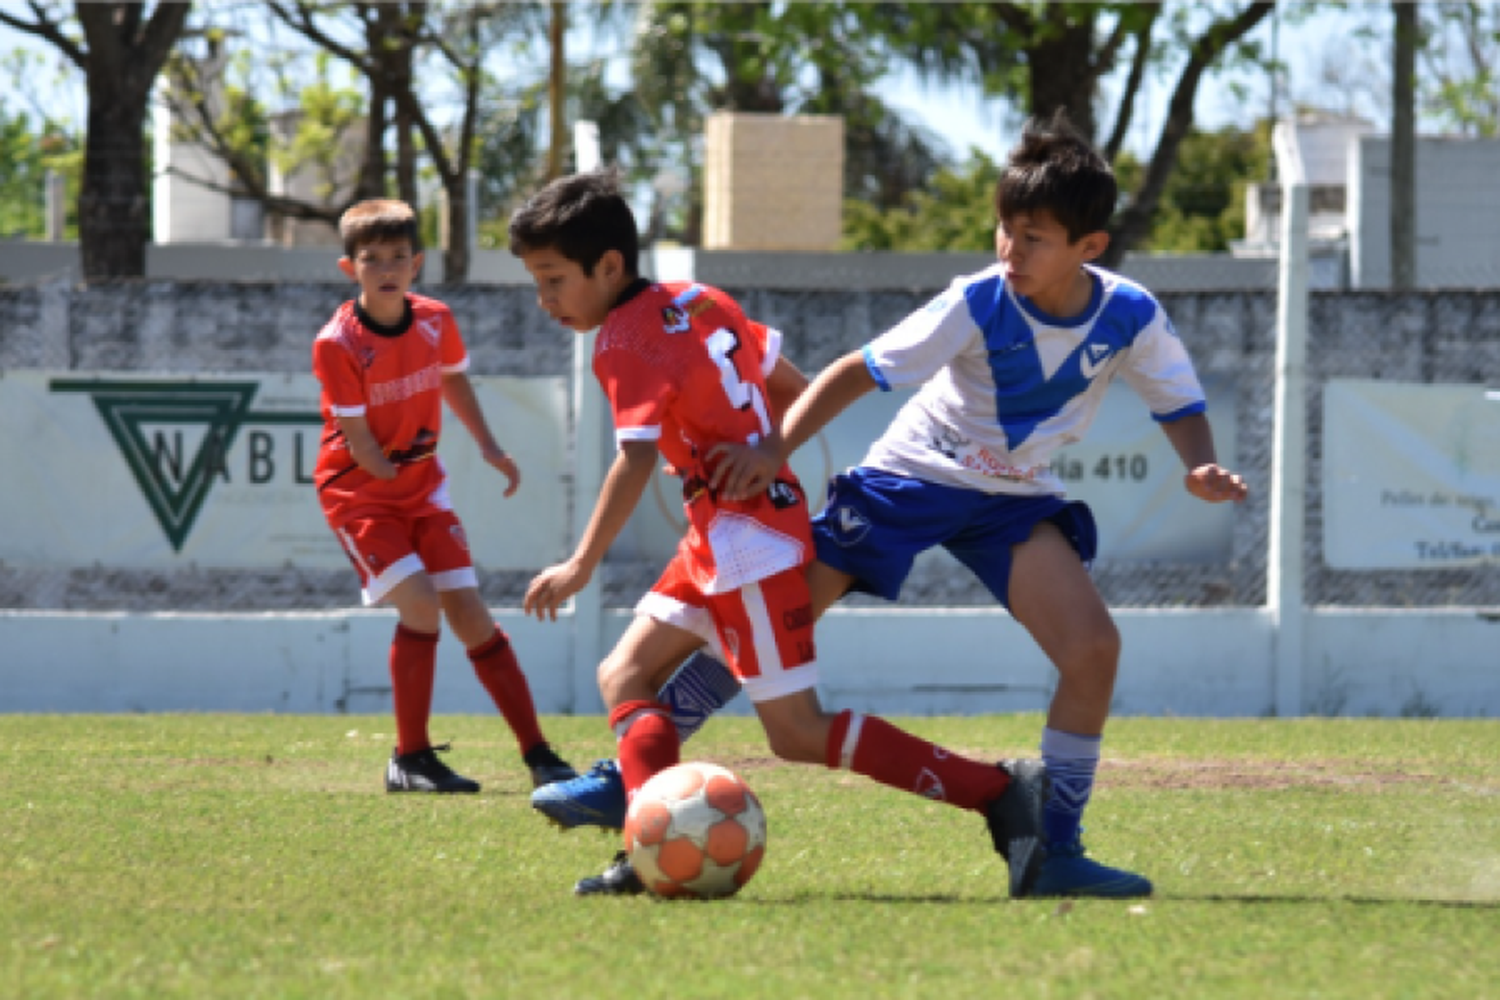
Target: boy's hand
[(743, 470), (552, 587), (1215, 484), (498, 459)]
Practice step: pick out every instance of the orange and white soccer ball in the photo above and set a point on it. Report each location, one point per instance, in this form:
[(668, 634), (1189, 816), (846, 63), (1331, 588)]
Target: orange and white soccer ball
[(695, 830)]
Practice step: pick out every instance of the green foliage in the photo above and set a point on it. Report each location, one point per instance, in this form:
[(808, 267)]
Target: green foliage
[(955, 214), (255, 856), (332, 109), (1203, 204), (28, 152), (1458, 79)]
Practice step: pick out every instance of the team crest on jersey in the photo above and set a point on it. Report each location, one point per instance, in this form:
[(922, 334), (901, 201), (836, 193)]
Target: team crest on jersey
[(782, 495), (1092, 358), (674, 318), (849, 526), (432, 329)]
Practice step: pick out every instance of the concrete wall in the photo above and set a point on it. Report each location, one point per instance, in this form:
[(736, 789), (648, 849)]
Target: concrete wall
[(1216, 663), (1369, 655)]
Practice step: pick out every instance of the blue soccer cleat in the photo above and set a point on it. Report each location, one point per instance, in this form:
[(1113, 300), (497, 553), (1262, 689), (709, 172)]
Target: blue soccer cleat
[(593, 799), (1068, 871)]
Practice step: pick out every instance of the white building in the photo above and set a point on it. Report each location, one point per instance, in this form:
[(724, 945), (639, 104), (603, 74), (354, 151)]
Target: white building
[(1349, 175)]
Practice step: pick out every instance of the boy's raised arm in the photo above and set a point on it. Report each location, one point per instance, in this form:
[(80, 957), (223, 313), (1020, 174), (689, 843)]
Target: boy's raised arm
[(784, 386)]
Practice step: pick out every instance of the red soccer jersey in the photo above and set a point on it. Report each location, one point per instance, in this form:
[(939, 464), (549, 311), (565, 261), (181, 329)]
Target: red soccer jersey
[(393, 378), (684, 367)]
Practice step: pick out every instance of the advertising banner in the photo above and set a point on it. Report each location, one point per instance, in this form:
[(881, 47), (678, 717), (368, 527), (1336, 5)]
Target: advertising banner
[(154, 472), (1411, 475)]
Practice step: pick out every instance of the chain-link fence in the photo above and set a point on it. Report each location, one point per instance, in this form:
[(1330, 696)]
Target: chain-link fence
[(218, 327)]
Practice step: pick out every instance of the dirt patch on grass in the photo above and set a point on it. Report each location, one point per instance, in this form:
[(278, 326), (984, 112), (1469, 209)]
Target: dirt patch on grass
[(1212, 774)]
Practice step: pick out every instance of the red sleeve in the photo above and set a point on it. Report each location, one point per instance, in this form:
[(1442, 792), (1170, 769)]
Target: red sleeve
[(639, 393), (343, 386)]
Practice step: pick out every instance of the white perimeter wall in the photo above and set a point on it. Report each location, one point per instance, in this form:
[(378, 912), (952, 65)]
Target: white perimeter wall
[(898, 661)]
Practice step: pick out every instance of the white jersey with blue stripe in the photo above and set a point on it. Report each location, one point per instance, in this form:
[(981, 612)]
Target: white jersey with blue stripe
[(1004, 386)]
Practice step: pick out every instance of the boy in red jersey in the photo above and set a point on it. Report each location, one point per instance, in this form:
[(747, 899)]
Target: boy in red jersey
[(685, 371), (387, 361)]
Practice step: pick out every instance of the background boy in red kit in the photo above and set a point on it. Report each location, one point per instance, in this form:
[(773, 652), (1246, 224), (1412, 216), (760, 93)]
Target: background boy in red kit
[(387, 362)]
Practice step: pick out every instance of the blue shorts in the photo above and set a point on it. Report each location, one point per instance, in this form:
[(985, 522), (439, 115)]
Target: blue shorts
[(876, 523)]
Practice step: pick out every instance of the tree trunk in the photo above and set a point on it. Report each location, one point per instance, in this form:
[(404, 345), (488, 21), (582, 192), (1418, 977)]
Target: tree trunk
[(1404, 148), (124, 57), (456, 253), (557, 91), (1061, 69), (114, 222)]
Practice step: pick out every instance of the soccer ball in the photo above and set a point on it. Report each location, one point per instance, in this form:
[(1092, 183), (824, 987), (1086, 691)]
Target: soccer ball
[(695, 830)]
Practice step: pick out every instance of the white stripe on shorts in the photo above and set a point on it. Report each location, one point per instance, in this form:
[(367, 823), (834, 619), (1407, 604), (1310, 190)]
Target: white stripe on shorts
[(775, 680)]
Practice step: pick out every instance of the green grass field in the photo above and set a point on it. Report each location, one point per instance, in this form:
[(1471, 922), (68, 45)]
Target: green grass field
[(257, 856)]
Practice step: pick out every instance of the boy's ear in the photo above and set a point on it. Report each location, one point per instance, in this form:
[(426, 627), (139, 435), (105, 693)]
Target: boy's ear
[(416, 262), (347, 267), (1093, 244), (612, 264)]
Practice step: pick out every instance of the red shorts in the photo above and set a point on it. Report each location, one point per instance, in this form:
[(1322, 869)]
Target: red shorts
[(763, 630), (386, 550)]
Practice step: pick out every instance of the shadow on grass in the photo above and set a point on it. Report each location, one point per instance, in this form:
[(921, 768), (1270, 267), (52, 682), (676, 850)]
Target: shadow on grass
[(951, 900), (1224, 897)]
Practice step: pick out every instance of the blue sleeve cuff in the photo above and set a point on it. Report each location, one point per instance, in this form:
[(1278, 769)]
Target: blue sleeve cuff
[(875, 371), (1187, 411)]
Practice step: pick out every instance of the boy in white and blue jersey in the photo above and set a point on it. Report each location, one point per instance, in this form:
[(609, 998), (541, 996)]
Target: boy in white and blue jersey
[(1012, 365)]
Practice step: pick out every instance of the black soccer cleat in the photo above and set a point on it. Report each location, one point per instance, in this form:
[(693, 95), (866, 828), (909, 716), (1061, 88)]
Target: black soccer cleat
[(1015, 822), (546, 766), (619, 879), (423, 772)]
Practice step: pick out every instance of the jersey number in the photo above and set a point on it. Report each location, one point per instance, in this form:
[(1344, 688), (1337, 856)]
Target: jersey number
[(722, 345)]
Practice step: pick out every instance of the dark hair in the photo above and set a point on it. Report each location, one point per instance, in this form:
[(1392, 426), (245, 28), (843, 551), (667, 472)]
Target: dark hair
[(582, 217), (1053, 167), (378, 220)]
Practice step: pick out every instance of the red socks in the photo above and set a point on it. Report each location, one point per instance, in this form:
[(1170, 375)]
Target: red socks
[(648, 741), (497, 669), (413, 664), (868, 745)]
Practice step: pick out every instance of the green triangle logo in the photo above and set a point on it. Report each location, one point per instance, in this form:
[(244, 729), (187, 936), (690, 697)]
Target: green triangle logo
[(150, 422)]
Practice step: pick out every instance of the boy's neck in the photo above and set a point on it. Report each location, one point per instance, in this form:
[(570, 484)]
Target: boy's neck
[(1075, 301), (628, 289), (391, 321)]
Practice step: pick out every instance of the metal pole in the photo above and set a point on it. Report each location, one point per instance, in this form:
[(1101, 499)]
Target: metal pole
[(589, 433), (1285, 560)]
